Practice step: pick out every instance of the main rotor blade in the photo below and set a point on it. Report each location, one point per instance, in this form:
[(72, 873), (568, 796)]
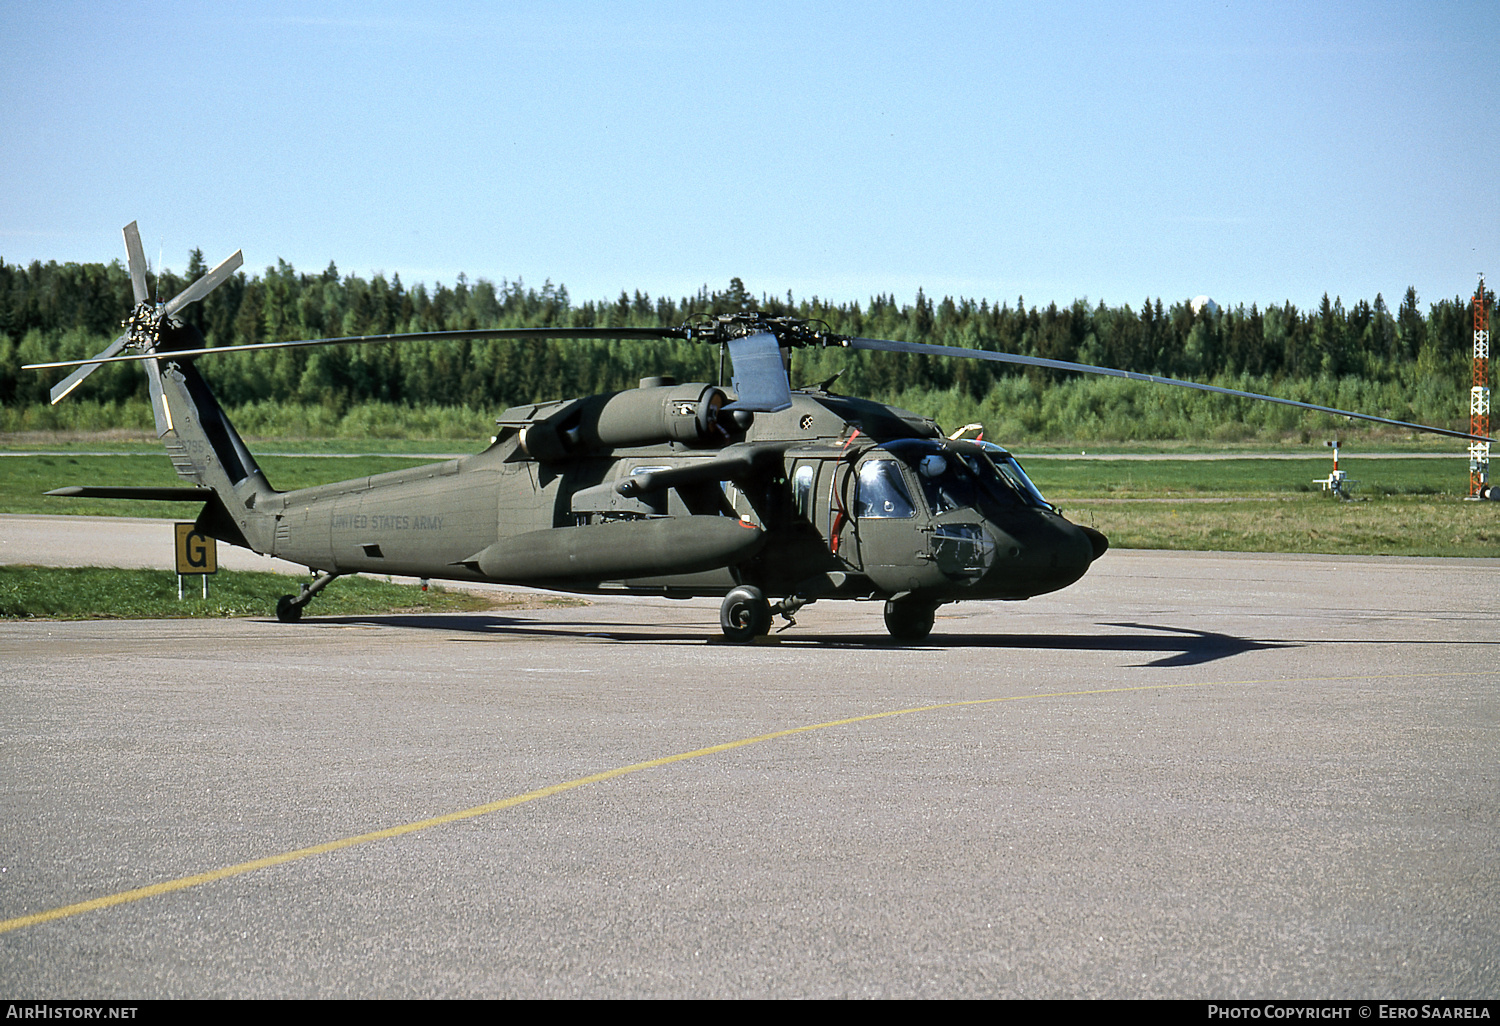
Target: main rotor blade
[(75, 379), (206, 284), (136, 259), (891, 346), (434, 336)]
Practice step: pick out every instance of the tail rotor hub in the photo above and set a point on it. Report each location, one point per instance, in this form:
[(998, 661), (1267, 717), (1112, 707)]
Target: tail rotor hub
[(143, 327)]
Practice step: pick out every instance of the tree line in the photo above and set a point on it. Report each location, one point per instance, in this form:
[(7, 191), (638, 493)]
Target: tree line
[(60, 311)]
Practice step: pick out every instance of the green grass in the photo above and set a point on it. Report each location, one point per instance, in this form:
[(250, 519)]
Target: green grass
[(1289, 445), (1402, 526), (146, 443), (1406, 507), (1068, 480), (25, 479), (93, 593)]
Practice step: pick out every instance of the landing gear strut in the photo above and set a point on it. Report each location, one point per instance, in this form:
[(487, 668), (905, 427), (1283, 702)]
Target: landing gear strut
[(289, 607), (745, 614), (910, 618)]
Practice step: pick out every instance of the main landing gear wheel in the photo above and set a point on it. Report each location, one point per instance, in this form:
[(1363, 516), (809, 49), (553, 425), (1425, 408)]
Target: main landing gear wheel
[(287, 611), (909, 618), (745, 614)]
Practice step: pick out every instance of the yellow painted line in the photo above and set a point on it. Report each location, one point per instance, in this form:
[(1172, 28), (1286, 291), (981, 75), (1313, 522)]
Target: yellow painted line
[(239, 869)]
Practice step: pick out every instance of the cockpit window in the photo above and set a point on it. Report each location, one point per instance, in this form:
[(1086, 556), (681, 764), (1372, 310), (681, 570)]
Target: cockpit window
[(1007, 465), (882, 491), (948, 482)]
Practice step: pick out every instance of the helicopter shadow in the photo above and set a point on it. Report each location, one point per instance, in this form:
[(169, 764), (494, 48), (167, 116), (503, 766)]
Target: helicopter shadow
[(1178, 646), (478, 624)]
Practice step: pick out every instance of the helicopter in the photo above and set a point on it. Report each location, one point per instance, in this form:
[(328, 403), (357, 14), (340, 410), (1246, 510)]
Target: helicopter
[(765, 496)]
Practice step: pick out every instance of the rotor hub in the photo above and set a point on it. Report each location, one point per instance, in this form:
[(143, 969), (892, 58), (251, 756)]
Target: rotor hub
[(143, 326), (790, 332)]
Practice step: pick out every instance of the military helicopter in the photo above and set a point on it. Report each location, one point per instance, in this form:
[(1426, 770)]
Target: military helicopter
[(767, 496)]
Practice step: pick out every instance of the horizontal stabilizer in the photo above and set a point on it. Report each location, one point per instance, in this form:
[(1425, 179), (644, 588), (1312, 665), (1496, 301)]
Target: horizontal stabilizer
[(126, 492)]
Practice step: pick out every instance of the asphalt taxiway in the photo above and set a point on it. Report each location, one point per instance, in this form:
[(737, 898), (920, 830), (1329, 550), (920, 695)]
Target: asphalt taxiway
[(1189, 775)]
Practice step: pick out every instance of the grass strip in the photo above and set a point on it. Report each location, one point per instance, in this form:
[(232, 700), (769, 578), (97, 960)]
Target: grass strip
[(24, 479), (94, 593), (1394, 526), (1082, 479)]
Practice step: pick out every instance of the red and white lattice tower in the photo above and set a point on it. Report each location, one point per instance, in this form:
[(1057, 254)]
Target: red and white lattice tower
[(1479, 397)]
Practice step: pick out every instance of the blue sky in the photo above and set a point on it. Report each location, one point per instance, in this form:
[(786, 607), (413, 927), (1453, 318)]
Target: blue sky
[(1253, 152)]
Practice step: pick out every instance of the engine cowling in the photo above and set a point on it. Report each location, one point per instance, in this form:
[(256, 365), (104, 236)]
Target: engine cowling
[(687, 413)]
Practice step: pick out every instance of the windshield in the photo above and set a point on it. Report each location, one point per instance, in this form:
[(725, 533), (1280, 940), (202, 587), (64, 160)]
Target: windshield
[(1006, 464)]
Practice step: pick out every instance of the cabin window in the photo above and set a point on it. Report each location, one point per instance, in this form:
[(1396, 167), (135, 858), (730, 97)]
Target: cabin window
[(802, 489), (882, 491)]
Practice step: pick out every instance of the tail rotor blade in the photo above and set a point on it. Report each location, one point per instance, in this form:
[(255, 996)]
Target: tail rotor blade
[(75, 379), (159, 409), (206, 284), (137, 260)]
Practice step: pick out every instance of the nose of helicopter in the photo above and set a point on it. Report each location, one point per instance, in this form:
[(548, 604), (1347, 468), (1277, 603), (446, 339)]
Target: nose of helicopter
[(1096, 539), (1048, 554)]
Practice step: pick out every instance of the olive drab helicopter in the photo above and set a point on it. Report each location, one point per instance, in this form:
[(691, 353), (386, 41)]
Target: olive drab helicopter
[(767, 496)]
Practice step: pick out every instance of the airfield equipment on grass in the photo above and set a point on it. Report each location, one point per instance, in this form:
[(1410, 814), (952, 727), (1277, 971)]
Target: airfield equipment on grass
[(758, 493), (1479, 398), (1338, 481)]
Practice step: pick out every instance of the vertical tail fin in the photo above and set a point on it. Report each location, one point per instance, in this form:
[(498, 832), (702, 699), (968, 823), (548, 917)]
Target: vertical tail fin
[(203, 445), (206, 449)]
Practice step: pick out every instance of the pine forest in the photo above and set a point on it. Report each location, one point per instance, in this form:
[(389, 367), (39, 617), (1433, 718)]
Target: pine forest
[(1409, 363)]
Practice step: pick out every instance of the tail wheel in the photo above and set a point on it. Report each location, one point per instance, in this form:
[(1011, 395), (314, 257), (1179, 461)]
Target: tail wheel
[(287, 611), (910, 618), (745, 614)]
